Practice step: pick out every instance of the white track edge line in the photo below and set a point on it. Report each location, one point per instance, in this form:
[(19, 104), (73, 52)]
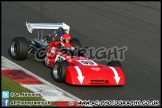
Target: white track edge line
[(41, 79)]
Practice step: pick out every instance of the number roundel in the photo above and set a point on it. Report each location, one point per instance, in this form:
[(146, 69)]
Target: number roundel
[(87, 62)]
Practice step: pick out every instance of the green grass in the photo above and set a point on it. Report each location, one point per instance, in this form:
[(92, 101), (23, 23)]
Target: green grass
[(12, 86)]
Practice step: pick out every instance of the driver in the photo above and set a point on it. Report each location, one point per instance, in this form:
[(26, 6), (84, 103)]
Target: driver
[(65, 41)]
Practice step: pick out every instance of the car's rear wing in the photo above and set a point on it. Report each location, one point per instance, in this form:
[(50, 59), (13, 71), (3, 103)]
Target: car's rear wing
[(41, 26)]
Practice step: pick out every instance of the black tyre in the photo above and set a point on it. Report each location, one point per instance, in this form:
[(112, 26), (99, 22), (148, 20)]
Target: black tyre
[(115, 63), (76, 42), (19, 48), (59, 71)]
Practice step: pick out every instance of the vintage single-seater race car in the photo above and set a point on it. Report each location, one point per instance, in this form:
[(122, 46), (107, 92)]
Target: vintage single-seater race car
[(69, 65)]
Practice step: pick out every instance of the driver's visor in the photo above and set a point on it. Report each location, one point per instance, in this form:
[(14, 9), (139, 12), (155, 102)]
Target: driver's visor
[(67, 41)]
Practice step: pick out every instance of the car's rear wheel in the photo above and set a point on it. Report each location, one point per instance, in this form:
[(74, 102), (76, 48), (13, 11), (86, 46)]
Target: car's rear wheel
[(76, 42), (59, 71), (19, 48), (114, 63)]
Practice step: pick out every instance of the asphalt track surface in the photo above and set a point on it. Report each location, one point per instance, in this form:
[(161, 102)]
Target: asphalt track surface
[(135, 25)]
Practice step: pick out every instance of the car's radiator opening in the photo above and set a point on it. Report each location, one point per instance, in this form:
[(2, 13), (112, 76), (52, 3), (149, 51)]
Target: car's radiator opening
[(98, 81)]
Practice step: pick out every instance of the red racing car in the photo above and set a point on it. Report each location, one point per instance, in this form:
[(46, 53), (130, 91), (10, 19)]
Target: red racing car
[(70, 65)]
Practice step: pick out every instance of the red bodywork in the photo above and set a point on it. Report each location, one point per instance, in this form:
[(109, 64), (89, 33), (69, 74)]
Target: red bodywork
[(91, 75)]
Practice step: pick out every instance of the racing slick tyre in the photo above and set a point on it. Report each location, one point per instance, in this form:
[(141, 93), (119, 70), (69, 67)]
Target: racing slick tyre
[(59, 71), (19, 48), (115, 63), (76, 42)]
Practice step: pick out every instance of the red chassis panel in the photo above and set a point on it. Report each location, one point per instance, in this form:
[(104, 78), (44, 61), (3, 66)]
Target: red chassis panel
[(103, 77), (84, 71)]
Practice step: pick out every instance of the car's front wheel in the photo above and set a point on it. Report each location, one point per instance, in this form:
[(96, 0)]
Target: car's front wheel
[(114, 63), (59, 71), (76, 42), (19, 48)]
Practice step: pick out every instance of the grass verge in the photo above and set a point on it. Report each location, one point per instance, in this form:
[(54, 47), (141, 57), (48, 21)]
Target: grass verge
[(12, 86)]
